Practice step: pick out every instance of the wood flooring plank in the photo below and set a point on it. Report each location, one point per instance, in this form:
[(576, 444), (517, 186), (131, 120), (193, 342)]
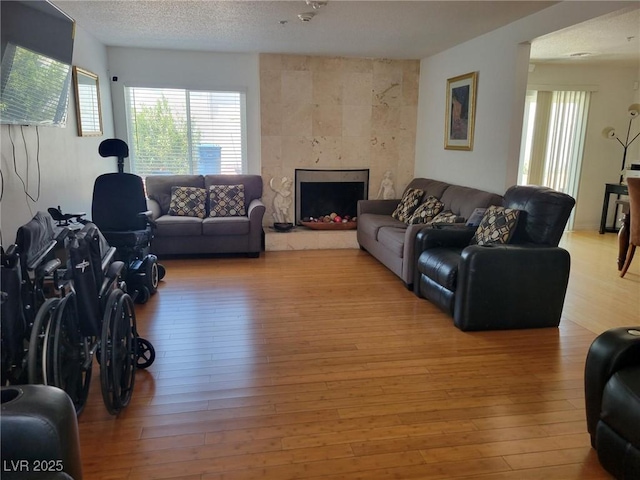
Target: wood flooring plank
[(322, 365)]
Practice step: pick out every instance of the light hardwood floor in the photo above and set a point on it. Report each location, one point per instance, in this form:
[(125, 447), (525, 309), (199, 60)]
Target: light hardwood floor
[(320, 364)]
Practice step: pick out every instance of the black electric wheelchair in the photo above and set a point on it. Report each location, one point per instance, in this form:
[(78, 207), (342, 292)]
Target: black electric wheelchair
[(119, 209), (25, 268), (94, 317)]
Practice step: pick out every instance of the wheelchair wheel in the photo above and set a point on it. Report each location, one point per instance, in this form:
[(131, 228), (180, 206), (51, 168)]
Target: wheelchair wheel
[(45, 315), (146, 353), (69, 371), (152, 274), (142, 295), (161, 271), (119, 352)]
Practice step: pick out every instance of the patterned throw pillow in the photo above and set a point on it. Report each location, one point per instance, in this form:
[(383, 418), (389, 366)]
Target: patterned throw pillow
[(188, 202), (447, 217), (497, 225), (425, 212), (226, 201), (408, 204)]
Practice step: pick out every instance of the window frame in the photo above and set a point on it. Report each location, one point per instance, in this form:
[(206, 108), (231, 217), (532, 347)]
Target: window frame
[(241, 92)]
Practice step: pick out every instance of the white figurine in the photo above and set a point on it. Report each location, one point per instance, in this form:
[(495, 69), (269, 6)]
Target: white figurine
[(387, 192), (282, 201)]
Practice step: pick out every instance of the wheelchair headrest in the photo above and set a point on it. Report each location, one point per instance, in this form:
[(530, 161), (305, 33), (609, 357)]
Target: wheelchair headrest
[(113, 147)]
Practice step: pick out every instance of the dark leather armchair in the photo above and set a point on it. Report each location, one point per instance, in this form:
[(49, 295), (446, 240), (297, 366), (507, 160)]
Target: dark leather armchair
[(612, 400), (500, 286), (39, 437)]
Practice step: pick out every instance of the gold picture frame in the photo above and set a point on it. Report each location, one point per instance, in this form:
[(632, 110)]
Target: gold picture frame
[(88, 109), (460, 114)]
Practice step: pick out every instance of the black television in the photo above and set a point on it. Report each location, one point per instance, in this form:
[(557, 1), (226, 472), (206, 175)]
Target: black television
[(37, 50)]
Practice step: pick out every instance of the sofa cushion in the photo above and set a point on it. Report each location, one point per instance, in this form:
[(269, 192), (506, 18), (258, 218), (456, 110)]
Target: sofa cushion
[(226, 226), (175, 226), (393, 239), (464, 200), (441, 266), (431, 188), (371, 223), (410, 201), (158, 187), (425, 212), (188, 202), (447, 217), (226, 201), (497, 226)]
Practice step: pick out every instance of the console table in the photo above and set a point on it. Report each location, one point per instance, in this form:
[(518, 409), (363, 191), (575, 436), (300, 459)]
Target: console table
[(611, 189)]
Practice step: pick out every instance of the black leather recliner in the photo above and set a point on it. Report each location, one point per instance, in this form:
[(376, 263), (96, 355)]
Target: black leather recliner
[(39, 437), (612, 400), (517, 285)]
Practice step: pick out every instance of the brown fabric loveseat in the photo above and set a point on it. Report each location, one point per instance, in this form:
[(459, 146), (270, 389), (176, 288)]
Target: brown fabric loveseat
[(392, 241), (183, 234)]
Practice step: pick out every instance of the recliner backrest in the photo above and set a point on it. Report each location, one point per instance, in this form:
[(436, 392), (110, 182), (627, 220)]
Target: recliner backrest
[(118, 198), (544, 213)]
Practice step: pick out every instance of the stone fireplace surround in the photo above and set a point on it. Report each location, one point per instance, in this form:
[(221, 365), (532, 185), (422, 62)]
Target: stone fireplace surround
[(335, 113)]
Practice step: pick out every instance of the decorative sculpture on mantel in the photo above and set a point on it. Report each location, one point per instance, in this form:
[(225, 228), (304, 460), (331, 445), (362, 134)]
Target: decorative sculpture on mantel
[(282, 202), (387, 192), (609, 132)]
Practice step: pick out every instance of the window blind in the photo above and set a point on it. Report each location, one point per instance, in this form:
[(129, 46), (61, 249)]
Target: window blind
[(176, 131)]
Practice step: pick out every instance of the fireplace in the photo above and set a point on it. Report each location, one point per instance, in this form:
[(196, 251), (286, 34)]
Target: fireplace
[(322, 192)]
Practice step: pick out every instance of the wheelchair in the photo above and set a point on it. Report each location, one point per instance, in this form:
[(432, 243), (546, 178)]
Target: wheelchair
[(119, 209), (25, 267), (95, 317)]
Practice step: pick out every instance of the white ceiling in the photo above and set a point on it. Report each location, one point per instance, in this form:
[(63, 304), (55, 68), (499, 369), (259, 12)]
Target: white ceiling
[(390, 29), (612, 38)]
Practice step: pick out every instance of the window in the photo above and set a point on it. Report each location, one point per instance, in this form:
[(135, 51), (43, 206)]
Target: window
[(553, 139), (174, 131)]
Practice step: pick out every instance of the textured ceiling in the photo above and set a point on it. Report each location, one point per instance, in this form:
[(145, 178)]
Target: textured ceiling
[(611, 38), (391, 29)]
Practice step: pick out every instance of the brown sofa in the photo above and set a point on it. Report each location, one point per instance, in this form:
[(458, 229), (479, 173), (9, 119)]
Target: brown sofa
[(392, 242), (191, 235)]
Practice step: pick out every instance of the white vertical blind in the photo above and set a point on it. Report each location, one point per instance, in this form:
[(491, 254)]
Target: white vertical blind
[(567, 126), (177, 131), (554, 145)]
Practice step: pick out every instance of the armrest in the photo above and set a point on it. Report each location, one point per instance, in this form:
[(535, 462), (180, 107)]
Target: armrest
[(113, 272), (10, 257), (611, 351), (148, 216), (510, 287), (154, 207), (42, 255), (430, 237), (107, 258), (256, 210), (51, 266), (379, 207)]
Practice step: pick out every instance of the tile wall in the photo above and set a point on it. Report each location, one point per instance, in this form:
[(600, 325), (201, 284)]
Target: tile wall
[(334, 113)]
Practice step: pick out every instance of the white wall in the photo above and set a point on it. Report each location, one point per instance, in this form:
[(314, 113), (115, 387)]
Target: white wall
[(137, 67), (602, 157), (501, 58), (68, 163)]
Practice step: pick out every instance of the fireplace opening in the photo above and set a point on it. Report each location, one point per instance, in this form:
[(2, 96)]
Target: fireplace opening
[(322, 192)]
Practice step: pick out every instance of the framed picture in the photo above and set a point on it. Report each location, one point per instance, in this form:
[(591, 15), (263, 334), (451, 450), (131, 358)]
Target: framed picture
[(461, 111), (88, 111)]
